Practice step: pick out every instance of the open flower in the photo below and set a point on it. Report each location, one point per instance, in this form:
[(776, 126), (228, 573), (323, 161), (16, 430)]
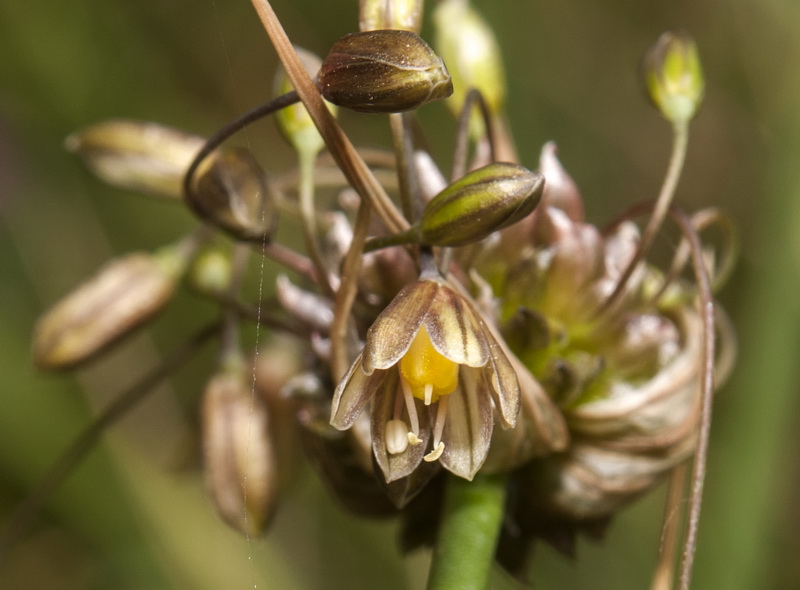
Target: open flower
[(433, 372)]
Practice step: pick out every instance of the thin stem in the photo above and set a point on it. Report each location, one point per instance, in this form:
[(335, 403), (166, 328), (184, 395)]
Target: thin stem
[(23, 516), (468, 533), (308, 214), (677, 159), (460, 154), (377, 243), (288, 258), (707, 393), (352, 165), (242, 121), (346, 294), (256, 314), (404, 156), (229, 339), (663, 576)]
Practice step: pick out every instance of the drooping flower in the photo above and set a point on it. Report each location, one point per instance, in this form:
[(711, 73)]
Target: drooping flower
[(434, 374)]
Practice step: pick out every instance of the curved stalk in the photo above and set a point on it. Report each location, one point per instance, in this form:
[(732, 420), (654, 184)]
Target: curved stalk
[(677, 159), (23, 516)]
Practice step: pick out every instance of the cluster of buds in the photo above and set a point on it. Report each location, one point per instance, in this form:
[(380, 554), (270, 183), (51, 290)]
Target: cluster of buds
[(474, 325)]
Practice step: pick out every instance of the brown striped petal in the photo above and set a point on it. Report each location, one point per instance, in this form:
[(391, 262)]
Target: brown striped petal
[(468, 429), (353, 392), (396, 466)]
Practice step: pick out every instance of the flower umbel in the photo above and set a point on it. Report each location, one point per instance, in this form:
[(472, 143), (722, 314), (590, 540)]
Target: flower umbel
[(433, 372)]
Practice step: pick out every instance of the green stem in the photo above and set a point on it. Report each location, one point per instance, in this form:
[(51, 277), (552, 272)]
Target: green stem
[(468, 533), (677, 158)]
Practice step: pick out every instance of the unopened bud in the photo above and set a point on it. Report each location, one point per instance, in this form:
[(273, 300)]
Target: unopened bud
[(294, 121), (480, 203), (390, 14), (230, 190), (673, 76), (136, 155), (470, 48), (384, 71), (211, 272), (239, 461), (121, 296)]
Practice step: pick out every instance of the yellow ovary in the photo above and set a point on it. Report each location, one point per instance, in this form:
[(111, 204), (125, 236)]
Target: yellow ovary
[(426, 371)]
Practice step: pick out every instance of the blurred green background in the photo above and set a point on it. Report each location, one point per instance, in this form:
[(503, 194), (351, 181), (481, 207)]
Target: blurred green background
[(134, 515)]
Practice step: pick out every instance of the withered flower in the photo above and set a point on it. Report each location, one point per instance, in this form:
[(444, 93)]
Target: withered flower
[(429, 348)]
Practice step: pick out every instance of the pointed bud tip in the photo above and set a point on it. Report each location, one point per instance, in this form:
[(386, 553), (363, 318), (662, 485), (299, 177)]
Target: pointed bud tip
[(674, 77)]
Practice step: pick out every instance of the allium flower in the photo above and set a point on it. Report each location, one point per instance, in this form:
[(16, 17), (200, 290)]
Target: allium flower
[(433, 371)]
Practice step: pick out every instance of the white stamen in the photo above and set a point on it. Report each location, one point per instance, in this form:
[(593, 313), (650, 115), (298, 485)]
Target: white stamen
[(441, 415), (396, 440), (412, 410), (428, 393), (435, 453)]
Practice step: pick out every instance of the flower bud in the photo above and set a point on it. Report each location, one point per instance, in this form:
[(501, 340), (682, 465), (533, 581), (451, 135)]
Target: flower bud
[(211, 272), (295, 123), (137, 156), (480, 203), (673, 76), (121, 296), (468, 44), (384, 71), (230, 190), (239, 461), (390, 14)]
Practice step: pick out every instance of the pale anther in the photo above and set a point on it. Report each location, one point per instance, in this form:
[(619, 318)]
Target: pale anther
[(435, 453), (396, 439)]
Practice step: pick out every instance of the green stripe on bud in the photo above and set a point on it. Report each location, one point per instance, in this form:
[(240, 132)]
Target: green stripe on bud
[(673, 76), (480, 203), (384, 71)]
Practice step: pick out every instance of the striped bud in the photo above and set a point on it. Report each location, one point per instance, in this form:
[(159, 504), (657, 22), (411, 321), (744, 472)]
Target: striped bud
[(384, 71), (480, 203), (239, 461), (137, 156), (120, 297)]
